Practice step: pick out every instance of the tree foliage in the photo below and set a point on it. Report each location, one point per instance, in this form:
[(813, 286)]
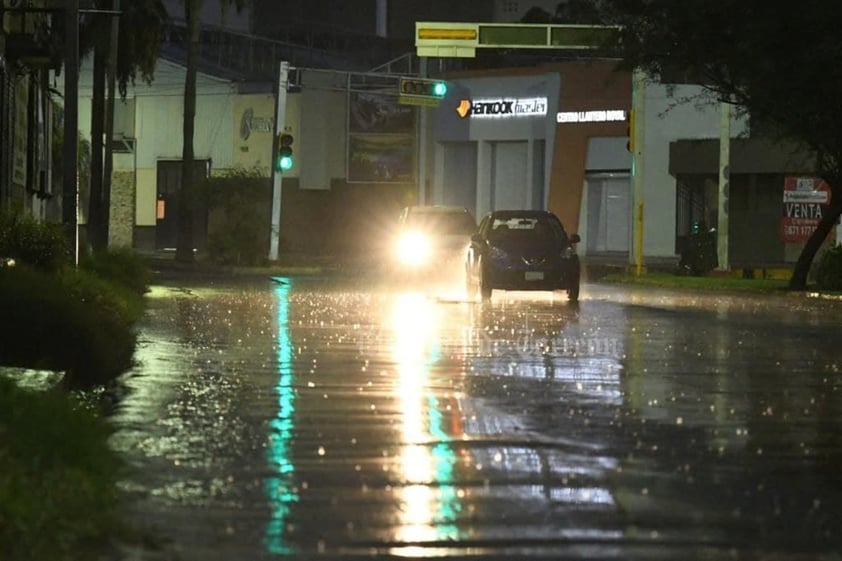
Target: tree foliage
[(133, 51), (781, 62), (571, 11), (142, 25), (140, 36)]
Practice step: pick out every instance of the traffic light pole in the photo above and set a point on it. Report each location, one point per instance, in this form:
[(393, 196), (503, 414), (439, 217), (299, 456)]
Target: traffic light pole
[(422, 141), (277, 174)]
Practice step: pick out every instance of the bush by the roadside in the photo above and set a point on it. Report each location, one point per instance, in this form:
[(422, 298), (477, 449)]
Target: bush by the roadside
[(829, 270), (112, 298), (122, 266), (58, 477), (41, 245), (116, 280), (68, 322), (238, 231)]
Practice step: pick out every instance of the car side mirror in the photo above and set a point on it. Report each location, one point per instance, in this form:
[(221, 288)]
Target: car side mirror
[(476, 238), (575, 238)]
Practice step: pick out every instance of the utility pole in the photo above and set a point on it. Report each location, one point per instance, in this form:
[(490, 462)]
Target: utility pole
[(638, 169), (70, 182), (277, 174), (724, 186)]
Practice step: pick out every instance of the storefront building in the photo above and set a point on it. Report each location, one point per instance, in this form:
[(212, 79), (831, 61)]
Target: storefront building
[(552, 137), (494, 147), (774, 200)]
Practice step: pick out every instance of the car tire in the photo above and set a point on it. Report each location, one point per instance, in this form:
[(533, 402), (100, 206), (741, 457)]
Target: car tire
[(484, 287), (573, 292)]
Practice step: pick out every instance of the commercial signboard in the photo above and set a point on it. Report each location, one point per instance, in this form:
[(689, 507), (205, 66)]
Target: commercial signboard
[(805, 200), (502, 107), (381, 139), (601, 116)]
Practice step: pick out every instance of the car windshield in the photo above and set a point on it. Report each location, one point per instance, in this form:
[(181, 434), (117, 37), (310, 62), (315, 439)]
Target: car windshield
[(525, 229), (444, 223)]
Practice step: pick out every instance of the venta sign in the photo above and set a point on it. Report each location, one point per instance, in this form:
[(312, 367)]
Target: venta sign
[(502, 107), (805, 201)]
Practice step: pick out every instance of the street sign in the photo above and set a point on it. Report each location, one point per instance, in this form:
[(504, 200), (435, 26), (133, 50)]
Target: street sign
[(460, 40), (804, 202), (420, 101), (421, 91), (446, 39)]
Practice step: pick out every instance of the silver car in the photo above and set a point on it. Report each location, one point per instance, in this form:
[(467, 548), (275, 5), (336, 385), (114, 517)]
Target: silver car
[(431, 238)]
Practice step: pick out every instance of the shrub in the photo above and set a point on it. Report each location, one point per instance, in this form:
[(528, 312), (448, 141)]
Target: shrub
[(54, 322), (58, 477), (41, 245), (112, 298), (122, 266), (829, 270), (238, 234)]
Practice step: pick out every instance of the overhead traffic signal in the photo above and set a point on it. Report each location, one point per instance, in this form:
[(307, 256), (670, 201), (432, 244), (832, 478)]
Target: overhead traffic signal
[(423, 88), (284, 160)]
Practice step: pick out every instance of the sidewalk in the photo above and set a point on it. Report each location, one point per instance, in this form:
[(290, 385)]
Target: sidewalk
[(596, 267), (164, 263)]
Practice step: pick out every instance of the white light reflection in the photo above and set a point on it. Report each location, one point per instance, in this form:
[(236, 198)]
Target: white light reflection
[(572, 361), (281, 487), (430, 501), (582, 496), (579, 358)]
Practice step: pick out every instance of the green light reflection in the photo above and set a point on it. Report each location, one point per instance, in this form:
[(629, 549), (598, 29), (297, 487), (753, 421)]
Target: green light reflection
[(444, 461), (280, 489)]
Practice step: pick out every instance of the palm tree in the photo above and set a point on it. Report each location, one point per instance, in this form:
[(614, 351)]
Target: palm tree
[(120, 52), (186, 195)]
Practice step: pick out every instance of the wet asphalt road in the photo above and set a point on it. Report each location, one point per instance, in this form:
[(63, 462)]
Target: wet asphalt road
[(329, 418)]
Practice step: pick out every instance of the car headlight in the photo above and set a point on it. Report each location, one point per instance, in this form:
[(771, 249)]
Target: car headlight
[(413, 248)]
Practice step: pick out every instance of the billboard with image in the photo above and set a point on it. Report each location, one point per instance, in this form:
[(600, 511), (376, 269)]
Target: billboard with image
[(381, 139)]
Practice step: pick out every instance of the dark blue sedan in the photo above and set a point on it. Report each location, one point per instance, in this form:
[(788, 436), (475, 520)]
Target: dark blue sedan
[(522, 250)]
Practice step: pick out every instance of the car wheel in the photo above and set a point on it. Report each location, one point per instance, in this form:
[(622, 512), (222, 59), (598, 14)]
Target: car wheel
[(484, 287), (573, 292)]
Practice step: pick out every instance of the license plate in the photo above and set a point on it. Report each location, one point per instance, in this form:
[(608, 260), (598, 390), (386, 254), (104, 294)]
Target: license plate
[(534, 275)]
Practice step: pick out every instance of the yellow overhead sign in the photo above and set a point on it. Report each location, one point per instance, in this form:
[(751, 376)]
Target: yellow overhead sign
[(452, 34), (446, 38), (459, 39)]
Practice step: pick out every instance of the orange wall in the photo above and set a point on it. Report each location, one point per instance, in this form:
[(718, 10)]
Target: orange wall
[(585, 85)]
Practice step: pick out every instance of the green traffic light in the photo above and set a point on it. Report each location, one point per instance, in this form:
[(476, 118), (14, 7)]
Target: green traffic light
[(284, 161), (439, 89)]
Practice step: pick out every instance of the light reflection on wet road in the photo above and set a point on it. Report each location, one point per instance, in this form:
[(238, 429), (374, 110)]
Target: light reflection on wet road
[(309, 418)]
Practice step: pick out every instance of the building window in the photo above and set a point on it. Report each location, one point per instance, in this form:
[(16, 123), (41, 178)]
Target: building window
[(696, 208)]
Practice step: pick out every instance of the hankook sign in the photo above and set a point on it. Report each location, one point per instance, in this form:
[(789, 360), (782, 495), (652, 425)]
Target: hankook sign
[(502, 107)]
